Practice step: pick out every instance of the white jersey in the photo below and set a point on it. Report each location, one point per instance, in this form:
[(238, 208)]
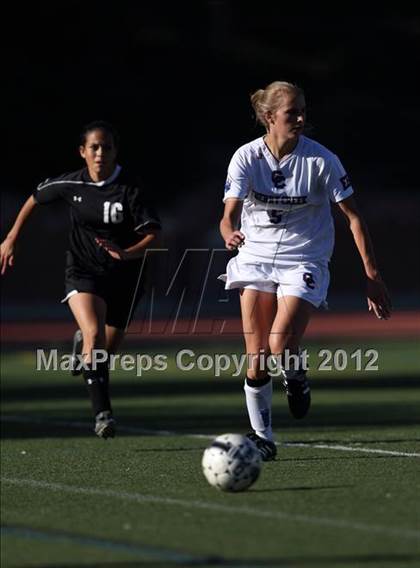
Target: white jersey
[(286, 215)]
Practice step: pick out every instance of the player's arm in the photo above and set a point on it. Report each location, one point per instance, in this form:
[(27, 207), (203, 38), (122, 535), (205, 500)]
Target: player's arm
[(229, 224), (149, 240), (147, 226), (7, 247), (377, 295)]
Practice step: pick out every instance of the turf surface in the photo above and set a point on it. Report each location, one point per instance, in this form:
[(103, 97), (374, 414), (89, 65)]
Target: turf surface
[(343, 493)]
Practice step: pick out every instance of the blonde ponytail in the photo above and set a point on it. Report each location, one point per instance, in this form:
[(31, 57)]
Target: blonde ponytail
[(271, 98)]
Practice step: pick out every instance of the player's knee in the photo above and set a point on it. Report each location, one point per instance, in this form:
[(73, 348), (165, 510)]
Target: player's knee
[(257, 363), (284, 342), (256, 374), (93, 338)]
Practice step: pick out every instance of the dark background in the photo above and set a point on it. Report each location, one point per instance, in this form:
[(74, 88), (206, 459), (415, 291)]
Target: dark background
[(175, 80)]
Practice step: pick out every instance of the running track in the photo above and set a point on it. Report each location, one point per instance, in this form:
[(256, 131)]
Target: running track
[(343, 325)]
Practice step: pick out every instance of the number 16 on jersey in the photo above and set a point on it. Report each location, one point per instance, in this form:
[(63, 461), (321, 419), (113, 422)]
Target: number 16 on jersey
[(113, 212)]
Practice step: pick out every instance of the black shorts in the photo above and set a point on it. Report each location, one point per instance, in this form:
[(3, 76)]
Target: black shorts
[(121, 287)]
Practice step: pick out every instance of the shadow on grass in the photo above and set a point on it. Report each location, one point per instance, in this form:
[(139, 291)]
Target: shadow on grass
[(200, 412), (76, 421), (303, 488), (163, 557), (302, 561), (178, 387)]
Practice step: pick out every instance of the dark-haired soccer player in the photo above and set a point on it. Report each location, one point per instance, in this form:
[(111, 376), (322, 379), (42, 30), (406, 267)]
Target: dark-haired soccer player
[(112, 226)]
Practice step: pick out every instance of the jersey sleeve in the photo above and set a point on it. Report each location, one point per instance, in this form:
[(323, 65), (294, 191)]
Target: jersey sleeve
[(337, 181), (237, 181), (143, 212), (48, 191)]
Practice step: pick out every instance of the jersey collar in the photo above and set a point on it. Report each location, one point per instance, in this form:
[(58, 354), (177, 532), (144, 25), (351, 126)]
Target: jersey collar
[(273, 162), (106, 181)]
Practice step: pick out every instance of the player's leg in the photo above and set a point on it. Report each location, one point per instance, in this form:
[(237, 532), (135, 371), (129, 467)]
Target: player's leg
[(292, 317), (89, 311), (77, 349), (113, 338), (258, 310), (124, 290)]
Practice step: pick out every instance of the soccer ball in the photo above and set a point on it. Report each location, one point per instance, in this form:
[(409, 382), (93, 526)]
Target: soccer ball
[(232, 462)]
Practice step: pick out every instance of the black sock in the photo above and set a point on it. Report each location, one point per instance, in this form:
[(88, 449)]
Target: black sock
[(258, 382), (97, 383)]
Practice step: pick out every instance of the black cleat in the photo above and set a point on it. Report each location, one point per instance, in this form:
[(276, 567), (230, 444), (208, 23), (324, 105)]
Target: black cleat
[(298, 396), (267, 449), (75, 366), (105, 425)]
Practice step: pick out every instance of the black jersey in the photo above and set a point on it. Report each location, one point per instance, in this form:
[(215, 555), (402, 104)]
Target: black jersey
[(114, 209)]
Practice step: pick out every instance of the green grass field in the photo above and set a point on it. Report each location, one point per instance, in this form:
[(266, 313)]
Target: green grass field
[(344, 491)]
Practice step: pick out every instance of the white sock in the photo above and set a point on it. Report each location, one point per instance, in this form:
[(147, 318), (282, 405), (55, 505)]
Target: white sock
[(258, 403)]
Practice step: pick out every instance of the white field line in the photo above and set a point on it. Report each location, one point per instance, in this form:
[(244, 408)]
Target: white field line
[(351, 449), (225, 509), (145, 431)]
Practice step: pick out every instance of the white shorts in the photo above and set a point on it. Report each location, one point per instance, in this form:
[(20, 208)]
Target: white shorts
[(306, 280)]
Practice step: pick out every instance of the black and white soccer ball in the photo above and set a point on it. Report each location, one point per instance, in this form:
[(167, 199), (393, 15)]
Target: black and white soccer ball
[(232, 462)]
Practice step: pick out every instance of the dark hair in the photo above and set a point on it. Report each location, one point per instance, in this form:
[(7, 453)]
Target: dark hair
[(99, 125)]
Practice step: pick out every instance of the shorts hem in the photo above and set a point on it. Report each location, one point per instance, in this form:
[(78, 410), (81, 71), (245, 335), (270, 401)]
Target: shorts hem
[(287, 281), (69, 295)]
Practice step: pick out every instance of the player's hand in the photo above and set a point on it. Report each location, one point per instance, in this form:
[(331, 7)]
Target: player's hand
[(112, 249), (378, 298), (234, 240), (7, 254)]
